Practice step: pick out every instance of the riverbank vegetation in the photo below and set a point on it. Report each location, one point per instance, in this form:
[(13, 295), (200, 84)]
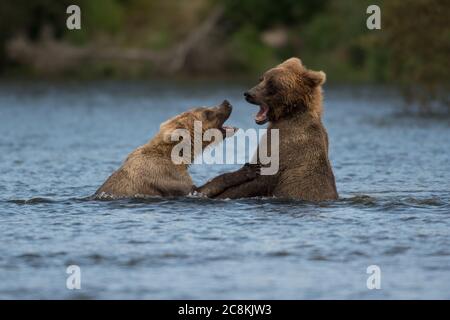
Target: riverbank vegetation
[(217, 38)]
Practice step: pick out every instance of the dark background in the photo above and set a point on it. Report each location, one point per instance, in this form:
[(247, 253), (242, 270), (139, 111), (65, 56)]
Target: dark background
[(231, 38)]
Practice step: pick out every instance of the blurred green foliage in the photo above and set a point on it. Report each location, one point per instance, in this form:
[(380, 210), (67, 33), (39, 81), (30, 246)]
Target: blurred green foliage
[(418, 42), (28, 17), (412, 48), (263, 14), (99, 16)]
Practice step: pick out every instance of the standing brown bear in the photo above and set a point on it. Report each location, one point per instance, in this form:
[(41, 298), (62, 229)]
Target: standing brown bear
[(290, 99)]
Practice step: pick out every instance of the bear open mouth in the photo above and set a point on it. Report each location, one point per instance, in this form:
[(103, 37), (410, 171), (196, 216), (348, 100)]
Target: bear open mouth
[(261, 116), (228, 131), (223, 112)]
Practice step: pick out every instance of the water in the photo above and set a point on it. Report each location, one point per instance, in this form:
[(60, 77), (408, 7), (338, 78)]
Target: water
[(59, 142)]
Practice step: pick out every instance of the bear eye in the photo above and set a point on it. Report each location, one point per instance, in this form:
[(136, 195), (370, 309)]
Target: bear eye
[(209, 115), (271, 87)]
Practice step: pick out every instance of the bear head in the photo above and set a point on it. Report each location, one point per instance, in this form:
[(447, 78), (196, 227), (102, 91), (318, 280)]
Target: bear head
[(203, 118), (286, 89)]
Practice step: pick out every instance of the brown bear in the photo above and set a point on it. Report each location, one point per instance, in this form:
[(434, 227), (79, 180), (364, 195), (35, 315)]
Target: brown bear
[(290, 99), (150, 170)]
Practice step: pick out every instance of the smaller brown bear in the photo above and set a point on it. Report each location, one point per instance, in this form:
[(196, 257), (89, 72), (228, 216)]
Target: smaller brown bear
[(150, 171)]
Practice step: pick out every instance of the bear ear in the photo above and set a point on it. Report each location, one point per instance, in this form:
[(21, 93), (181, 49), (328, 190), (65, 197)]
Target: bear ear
[(315, 78), (172, 131), (292, 63), (167, 137), (174, 135), (167, 129)]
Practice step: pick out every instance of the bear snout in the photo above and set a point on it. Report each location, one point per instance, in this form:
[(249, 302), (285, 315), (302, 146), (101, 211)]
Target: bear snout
[(226, 108), (250, 97), (226, 104)]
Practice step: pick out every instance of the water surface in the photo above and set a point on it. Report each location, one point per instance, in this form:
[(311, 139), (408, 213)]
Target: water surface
[(59, 142)]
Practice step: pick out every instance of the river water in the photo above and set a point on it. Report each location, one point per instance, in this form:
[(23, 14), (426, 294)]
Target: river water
[(59, 142)]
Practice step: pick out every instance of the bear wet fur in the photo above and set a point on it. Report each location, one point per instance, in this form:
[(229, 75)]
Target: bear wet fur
[(150, 171), (290, 99)]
